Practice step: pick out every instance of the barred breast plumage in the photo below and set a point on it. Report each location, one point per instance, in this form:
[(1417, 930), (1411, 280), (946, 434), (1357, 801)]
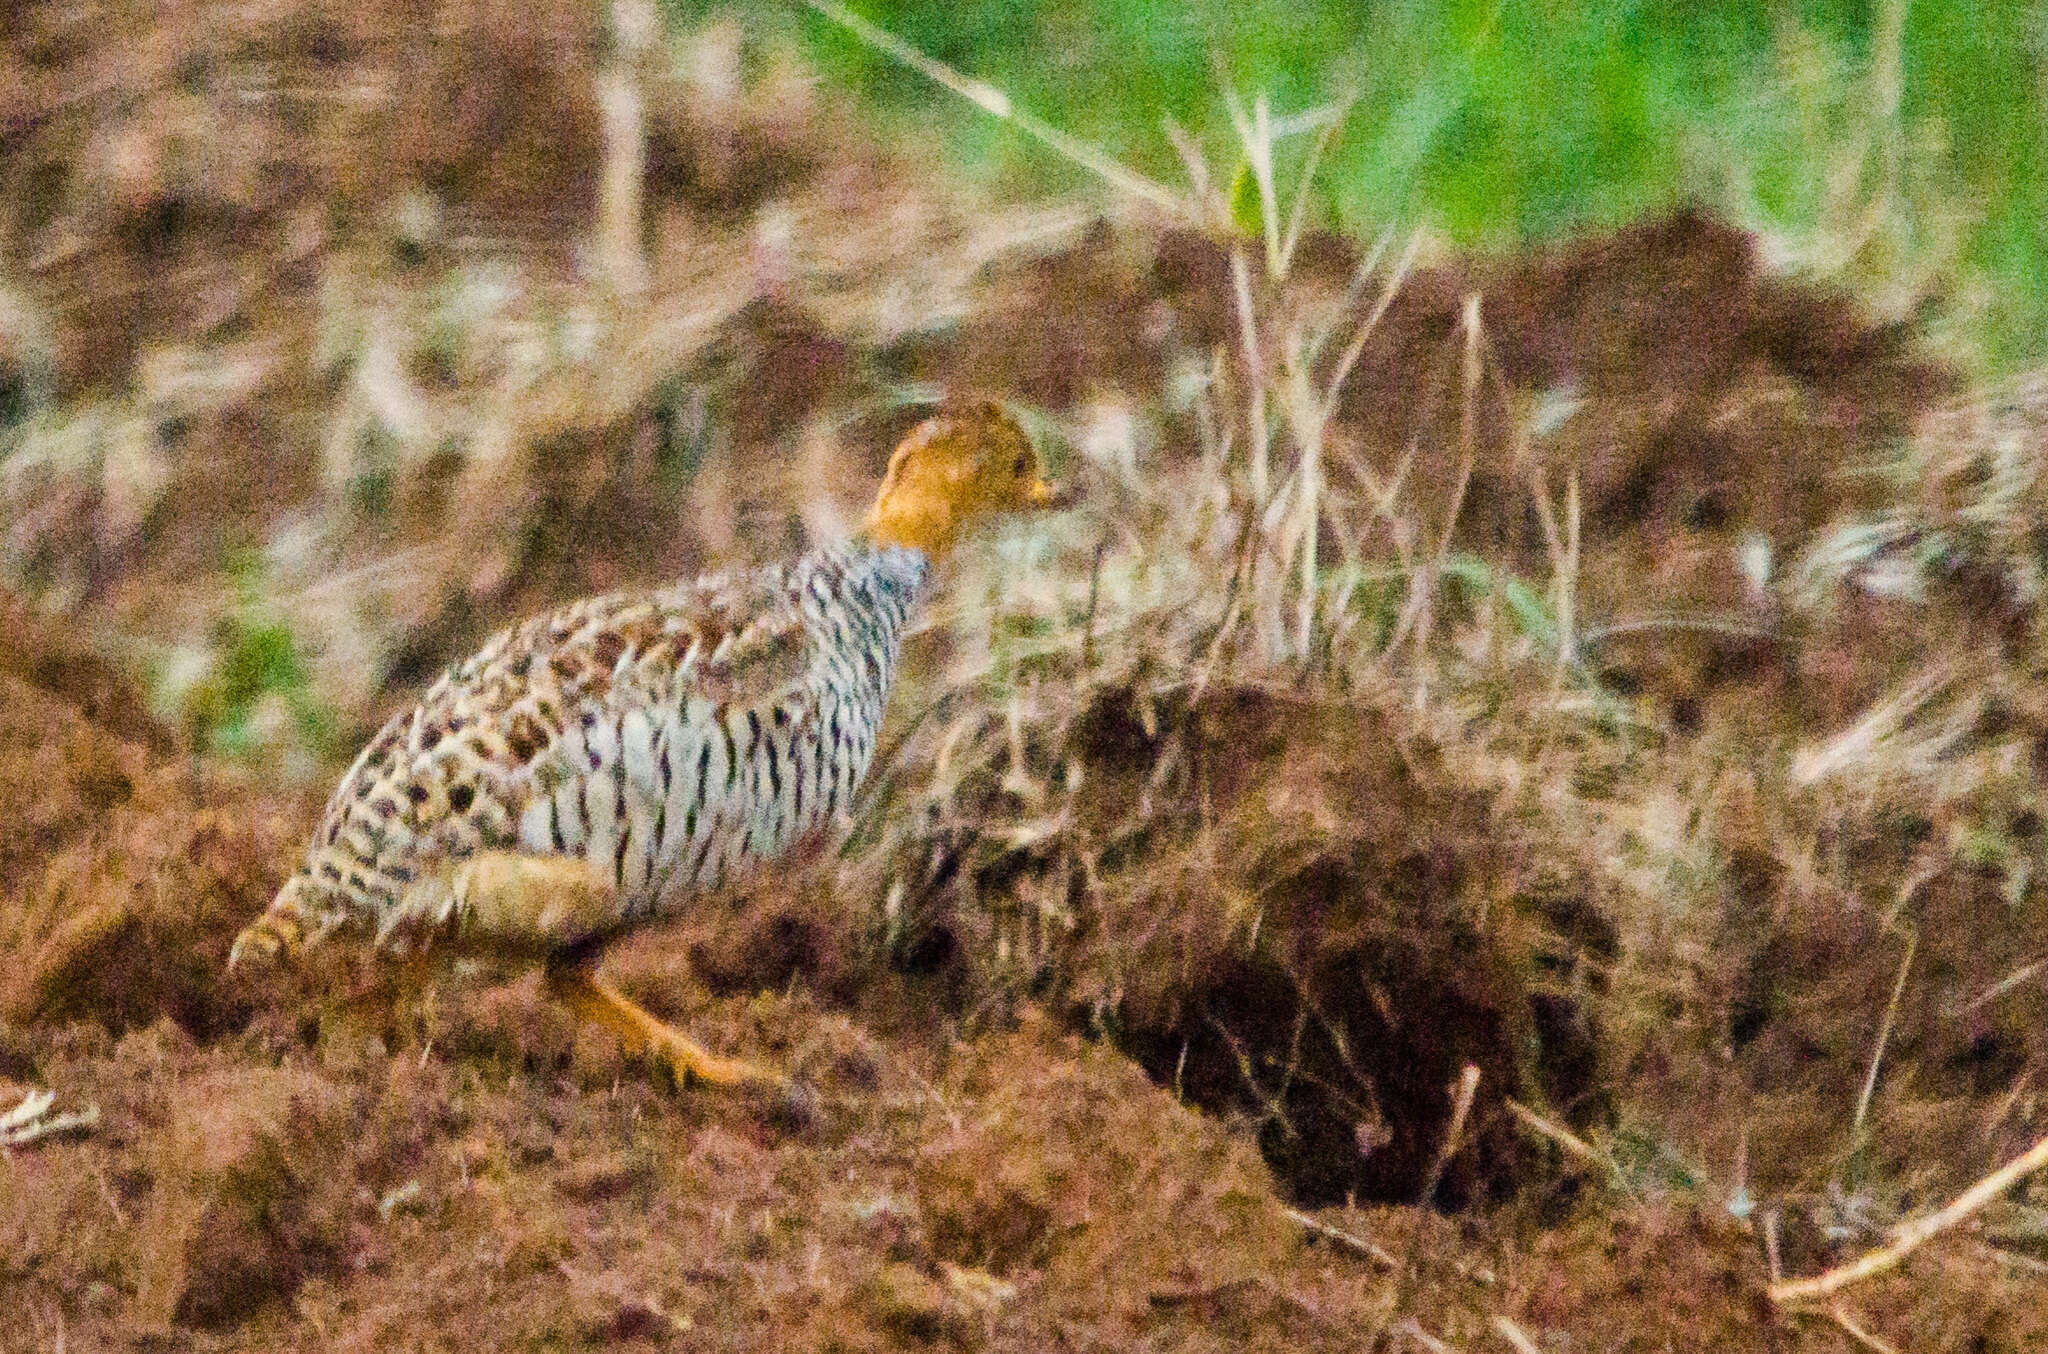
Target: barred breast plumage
[(673, 738)]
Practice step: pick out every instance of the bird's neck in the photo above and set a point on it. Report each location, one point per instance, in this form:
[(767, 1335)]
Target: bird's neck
[(913, 521)]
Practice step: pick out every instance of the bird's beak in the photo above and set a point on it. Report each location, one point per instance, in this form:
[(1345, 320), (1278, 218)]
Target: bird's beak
[(1043, 495)]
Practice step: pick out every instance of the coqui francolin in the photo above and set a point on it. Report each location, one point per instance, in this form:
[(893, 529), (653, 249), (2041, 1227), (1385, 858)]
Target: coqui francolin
[(610, 761)]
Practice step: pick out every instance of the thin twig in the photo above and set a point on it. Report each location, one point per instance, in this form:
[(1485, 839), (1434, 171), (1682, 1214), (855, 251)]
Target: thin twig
[(1376, 1254), (1911, 1236), (1840, 1316), (1454, 1134), (31, 1120), (1462, 1095), (1409, 1328)]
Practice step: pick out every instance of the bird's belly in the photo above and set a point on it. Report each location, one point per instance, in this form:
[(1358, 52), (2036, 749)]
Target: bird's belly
[(675, 806)]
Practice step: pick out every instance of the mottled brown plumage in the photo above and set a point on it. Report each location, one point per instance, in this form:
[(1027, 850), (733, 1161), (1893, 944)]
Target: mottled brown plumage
[(616, 758)]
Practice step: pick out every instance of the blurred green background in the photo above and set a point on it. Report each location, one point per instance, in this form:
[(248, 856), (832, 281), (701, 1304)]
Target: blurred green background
[(1897, 149)]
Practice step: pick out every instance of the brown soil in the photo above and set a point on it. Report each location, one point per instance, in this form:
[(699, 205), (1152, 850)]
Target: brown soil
[(270, 1171)]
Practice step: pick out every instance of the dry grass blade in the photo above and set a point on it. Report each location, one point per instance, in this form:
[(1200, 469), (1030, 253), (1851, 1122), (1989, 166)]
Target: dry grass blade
[(1255, 374), (1349, 358), (1515, 1336), (1569, 1142), (1884, 1034), (997, 104), (621, 184), (1357, 1245), (1853, 747), (2019, 977), (1200, 183), (1911, 1236), (1337, 114), (1414, 626)]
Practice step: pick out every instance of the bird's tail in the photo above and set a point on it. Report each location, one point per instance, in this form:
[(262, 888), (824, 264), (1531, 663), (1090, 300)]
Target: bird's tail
[(279, 933)]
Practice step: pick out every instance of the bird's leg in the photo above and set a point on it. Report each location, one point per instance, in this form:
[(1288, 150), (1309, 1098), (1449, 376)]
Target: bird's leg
[(644, 1034), (520, 903)]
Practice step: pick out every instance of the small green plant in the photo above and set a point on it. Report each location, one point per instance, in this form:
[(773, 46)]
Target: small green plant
[(248, 694)]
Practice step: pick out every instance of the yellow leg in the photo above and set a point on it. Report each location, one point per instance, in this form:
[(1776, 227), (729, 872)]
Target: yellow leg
[(541, 906), (645, 1035)]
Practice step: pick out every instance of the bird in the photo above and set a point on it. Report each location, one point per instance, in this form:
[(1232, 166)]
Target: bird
[(608, 762)]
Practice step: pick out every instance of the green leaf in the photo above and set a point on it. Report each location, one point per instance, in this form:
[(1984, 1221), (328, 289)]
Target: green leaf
[(1247, 213)]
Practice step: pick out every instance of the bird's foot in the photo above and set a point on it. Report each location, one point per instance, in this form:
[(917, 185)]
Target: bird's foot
[(677, 1058), (787, 1104), (783, 1102)]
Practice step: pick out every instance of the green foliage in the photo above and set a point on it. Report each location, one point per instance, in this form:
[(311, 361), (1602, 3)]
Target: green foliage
[(1502, 122), (1531, 613), (255, 668), (372, 486)]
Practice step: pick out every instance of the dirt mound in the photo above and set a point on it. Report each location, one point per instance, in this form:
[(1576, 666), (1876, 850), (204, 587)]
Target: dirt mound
[(1692, 391), (1326, 955), (125, 878), (1290, 911)]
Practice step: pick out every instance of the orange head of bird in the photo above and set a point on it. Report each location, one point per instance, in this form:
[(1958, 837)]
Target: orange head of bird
[(953, 469)]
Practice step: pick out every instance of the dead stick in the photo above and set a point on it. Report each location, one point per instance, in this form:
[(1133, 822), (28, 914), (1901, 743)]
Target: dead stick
[(1910, 1236)]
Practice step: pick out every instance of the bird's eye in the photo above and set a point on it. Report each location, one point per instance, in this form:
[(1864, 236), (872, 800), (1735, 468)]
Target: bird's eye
[(1022, 460)]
